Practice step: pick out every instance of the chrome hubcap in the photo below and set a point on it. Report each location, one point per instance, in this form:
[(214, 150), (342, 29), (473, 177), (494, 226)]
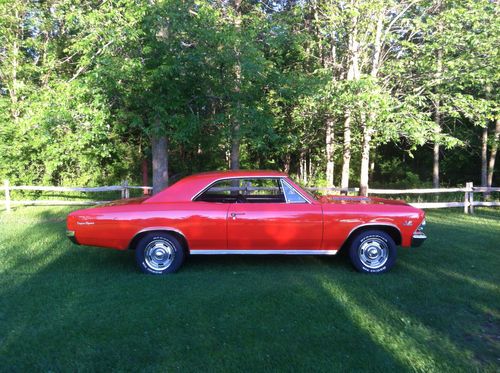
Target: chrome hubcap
[(159, 254), (373, 253)]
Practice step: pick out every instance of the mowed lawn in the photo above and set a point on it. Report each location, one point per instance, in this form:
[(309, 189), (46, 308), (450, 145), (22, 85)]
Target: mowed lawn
[(67, 308)]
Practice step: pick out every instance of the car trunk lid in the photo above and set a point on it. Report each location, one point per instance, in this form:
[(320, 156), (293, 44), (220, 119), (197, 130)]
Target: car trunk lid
[(359, 200)]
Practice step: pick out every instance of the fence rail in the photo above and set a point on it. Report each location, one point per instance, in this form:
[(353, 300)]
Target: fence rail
[(468, 203)]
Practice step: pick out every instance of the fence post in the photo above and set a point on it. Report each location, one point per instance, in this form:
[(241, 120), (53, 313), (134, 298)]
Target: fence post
[(123, 189), (471, 197), (7, 194), (466, 199), (127, 190)]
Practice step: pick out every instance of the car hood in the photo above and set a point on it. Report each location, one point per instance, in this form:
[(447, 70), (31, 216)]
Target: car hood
[(359, 200)]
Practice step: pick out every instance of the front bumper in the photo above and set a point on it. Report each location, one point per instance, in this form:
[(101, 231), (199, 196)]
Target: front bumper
[(71, 236), (418, 238)]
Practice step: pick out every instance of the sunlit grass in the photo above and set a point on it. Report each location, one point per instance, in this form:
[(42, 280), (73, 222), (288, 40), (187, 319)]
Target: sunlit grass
[(400, 334), (65, 308)]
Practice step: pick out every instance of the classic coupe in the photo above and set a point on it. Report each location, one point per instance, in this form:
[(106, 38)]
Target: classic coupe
[(248, 212)]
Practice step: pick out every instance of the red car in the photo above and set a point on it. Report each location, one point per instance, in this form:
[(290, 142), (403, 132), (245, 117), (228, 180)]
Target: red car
[(248, 212)]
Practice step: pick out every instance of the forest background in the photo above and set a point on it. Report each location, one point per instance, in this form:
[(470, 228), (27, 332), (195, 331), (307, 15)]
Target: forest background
[(345, 93)]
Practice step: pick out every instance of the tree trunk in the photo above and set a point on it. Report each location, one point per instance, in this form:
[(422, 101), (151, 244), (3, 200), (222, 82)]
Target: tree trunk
[(365, 164), (303, 166), (346, 152), (377, 48), (366, 127), (326, 59), (435, 162), (484, 157), (352, 74), (437, 119), (13, 90), (493, 153), (365, 159), (330, 165), (236, 126), (235, 146), (372, 165), (435, 166), (159, 150), (15, 66), (145, 175), (288, 161), (310, 166)]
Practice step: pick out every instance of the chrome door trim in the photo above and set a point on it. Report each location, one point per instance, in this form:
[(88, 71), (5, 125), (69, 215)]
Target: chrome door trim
[(280, 179), (204, 189), (263, 252)]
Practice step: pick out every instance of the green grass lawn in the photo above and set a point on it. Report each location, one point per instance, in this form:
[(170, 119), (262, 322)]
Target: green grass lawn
[(67, 308)]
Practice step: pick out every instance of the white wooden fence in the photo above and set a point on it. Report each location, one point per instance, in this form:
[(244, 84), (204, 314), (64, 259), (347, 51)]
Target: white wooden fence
[(124, 188), (468, 201)]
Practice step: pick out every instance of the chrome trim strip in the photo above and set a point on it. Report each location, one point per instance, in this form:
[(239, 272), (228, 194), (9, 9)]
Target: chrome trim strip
[(231, 178), (160, 228), (419, 234), (263, 252), (380, 224), (418, 238), (157, 228), (283, 181), (280, 178), (384, 224), (283, 190)]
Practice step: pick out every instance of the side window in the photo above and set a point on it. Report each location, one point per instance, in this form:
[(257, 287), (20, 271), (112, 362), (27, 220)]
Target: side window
[(262, 190), (222, 191), (249, 190), (291, 195)]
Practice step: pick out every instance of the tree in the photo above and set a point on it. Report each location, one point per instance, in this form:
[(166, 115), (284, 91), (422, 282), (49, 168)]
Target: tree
[(90, 90)]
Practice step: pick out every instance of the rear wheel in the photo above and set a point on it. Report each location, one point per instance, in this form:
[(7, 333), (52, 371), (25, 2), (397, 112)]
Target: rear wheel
[(159, 253), (373, 252)]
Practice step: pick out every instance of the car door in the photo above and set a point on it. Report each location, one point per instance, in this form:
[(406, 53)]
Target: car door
[(273, 217)]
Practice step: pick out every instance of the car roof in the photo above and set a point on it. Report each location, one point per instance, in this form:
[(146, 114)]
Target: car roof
[(186, 188), (238, 173)]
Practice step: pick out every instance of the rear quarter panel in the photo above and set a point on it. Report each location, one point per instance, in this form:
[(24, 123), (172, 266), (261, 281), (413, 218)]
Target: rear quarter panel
[(114, 227)]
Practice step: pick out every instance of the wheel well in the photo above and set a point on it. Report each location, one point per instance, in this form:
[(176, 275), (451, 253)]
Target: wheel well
[(389, 229), (177, 235)]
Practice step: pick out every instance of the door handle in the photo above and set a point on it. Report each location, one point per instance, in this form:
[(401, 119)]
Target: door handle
[(234, 214)]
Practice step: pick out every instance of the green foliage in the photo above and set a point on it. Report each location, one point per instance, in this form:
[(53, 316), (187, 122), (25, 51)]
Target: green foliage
[(85, 85)]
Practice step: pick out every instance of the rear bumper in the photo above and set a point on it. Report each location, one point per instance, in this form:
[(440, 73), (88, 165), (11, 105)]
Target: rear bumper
[(71, 236), (418, 238)]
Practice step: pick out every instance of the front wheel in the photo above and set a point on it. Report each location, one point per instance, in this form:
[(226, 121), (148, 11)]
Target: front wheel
[(159, 253), (373, 252)]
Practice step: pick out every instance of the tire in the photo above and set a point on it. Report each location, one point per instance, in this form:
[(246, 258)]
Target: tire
[(159, 253), (373, 252)]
